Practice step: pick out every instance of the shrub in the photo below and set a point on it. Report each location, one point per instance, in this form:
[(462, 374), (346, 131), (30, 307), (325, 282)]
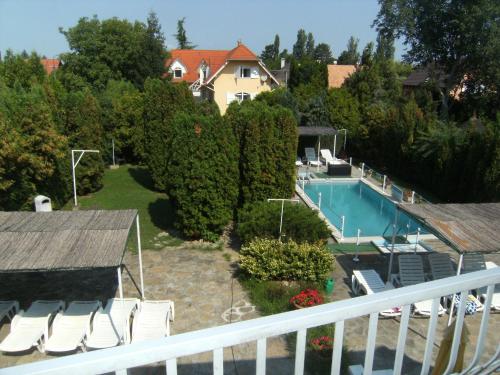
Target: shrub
[(266, 259), (201, 176), (262, 219), (267, 138)]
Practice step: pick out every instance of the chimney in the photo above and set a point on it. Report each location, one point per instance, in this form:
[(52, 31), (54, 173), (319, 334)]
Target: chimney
[(282, 62), (239, 43)]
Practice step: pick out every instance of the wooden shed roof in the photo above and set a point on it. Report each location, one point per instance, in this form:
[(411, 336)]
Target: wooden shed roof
[(469, 228), (63, 240), (316, 130)]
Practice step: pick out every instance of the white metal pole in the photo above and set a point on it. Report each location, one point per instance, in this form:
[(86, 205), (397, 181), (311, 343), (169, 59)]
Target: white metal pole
[(303, 182), (334, 146), (343, 224), (383, 185), (74, 178), (319, 149), (139, 248), (416, 241), (407, 230), (345, 137), (281, 218), (452, 306), (113, 145), (120, 286), (393, 241), (356, 259), (319, 201), (412, 197), (362, 170), (350, 161)]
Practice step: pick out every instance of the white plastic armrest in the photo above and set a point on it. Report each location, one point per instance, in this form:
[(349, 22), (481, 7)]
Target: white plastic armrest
[(15, 319)]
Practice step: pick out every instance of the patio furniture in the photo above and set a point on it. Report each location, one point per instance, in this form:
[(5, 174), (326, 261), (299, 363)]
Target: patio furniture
[(298, 162), (152, 320), (473, 262), (8, 309), (111, 325), (327, 155), (369, 282), (441, 266), (311, 157), (495, 301), (71, 327), (411, 272), (31, 328)]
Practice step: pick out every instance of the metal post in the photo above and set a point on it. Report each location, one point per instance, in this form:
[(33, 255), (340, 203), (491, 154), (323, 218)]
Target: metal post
[(356, 259), (120, 286), (74, 178), (141, 274), (383, 185), (412, 197), (362, 170), (393, 241), (281, 218), (350, 161), (334, 146), (113, 146), (345, 137), (452, 306), (407, 231), (319, 149), (303, 182), (342, 231), (319, 201), (416, 241)]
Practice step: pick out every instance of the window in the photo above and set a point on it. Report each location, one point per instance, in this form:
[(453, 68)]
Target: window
[(178, 73), (241, 96), (245, 72)]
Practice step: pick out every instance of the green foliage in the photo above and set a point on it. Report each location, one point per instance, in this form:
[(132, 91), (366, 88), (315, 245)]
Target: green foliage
[(351, 55), (265, 259), (21, 70), (161, 100), (299, 48), (262, 219), (202, 172), (343, 110), (182, 40), (271, 54), (114, 49), (122, 111), (33, 155), (267, 138), (323, 53), (308, 71)]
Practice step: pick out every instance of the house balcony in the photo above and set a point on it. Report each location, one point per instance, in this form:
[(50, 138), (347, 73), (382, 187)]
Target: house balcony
[(164, 353)]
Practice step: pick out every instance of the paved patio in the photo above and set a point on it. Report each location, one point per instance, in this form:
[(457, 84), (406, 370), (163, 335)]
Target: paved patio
[(202, 284)]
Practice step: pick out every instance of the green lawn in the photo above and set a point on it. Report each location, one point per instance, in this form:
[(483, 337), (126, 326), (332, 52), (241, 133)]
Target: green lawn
[(350, 248), (131, 187)]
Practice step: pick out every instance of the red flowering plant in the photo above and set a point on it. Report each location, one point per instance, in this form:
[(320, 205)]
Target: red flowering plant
[(306, 298), (323, 344)]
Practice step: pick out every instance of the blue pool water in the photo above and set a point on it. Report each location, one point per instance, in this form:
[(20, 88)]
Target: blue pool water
[(362, 207)]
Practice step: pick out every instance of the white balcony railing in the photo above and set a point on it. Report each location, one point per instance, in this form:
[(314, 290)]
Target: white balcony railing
[(167, 350)]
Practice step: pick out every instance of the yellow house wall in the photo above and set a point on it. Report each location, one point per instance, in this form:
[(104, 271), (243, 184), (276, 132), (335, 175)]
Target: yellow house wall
[(227, 81)]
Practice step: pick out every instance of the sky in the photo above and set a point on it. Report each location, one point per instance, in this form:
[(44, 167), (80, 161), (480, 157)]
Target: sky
[(33, 25)]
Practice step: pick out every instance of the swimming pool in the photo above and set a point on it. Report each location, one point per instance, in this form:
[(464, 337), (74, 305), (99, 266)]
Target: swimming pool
[(361, 206)]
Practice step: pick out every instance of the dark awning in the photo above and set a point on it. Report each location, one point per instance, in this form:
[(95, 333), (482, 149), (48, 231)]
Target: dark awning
[(316, 131), (468, 228), (63, 240)]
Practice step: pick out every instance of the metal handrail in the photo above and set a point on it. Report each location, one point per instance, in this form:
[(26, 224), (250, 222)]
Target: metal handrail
[(215, 339)]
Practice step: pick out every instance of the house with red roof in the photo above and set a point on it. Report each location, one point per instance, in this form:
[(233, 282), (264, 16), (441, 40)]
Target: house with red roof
[(50, 64), (222, 76)]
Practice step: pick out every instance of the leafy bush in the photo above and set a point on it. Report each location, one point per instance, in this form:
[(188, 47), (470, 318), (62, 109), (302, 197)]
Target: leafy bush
[(202, 173), (266, 259), (262, 219), (267, 138)]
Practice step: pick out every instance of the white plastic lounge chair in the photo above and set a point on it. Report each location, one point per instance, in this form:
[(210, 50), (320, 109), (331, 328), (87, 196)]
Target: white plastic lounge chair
[(369, 282), (411, 272), (71, 327), (111, 325), (152, 320), (8, 309), (329, 159), (31, 328), (495, 302), (298, 162), (312, 158)]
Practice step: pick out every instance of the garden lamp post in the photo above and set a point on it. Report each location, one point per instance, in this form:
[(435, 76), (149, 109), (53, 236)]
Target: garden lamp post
[(73, 166), (282, 200)]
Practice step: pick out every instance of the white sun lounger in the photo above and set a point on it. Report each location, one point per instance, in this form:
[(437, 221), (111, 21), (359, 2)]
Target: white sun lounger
[(71, 327), (31, 328), (495, 302), (411, 272), (8, 309), (369, 282), (152, 320), (329, 159), (111, 325), (312, 158)]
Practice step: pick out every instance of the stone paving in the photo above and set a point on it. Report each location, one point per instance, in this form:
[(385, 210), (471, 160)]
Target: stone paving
[(203, 287)]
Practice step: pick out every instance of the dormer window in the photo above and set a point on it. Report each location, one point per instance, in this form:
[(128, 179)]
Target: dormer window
[(241, 96), (245, 72), (177, 73)]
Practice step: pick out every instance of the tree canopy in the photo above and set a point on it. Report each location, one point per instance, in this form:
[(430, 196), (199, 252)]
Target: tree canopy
[(181, 36), (351, 55)]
